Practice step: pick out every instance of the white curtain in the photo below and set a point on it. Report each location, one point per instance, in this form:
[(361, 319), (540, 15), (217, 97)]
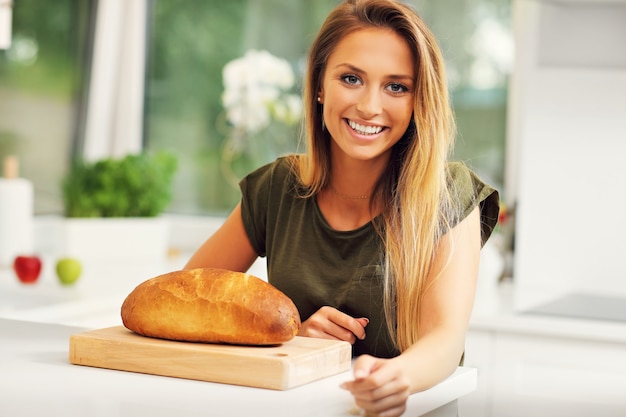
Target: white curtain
[(5, 23), (116, 90)]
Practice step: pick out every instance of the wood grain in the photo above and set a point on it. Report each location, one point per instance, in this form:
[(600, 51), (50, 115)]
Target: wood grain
[(297, 362)]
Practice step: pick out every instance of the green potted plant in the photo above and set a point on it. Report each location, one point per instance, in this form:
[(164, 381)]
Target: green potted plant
[(134, 186), (113, 206)]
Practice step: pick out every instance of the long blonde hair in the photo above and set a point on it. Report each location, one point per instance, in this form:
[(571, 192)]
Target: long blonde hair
[(413, 188)]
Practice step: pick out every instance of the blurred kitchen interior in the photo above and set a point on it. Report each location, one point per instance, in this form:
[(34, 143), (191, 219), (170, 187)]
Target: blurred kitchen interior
[(538, 88)]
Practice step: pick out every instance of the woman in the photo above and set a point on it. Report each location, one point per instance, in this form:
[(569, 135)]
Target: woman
[(373, 234)]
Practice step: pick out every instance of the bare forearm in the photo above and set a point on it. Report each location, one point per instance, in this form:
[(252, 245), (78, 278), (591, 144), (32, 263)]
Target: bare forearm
[(433, 358)]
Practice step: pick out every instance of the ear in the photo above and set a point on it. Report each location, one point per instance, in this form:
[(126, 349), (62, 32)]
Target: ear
[(320, 97)]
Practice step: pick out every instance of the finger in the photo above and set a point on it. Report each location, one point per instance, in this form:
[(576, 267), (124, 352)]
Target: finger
[(395, 387), (340, 332), (383, 380), (327, 331), (321, 333), (393, 411), (363, 321), (364, 365), (382, 390), (330, 323), (322, 326), (391, 405), (392, 395), (385, 405), (356, 326), (380, 372)]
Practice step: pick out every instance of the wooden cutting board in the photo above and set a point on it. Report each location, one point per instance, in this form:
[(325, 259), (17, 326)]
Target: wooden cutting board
[(297, 362)]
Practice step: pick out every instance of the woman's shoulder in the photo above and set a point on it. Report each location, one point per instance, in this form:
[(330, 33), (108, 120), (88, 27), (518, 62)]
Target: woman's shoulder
[(459, 171), (464, 181), (469, 190), (274, 177), (280, 165), (277, 170)]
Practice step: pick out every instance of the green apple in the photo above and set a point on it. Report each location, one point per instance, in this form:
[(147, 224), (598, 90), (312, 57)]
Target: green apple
[(68, 270)]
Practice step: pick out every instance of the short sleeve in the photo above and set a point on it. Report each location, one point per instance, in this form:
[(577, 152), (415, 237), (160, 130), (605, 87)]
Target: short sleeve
[(264, 192), (468, 191), (254, 206)]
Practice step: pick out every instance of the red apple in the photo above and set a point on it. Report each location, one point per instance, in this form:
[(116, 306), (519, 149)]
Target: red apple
[(27, 268)]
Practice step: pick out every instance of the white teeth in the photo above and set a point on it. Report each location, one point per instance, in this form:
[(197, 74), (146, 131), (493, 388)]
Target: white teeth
[(365, 130)]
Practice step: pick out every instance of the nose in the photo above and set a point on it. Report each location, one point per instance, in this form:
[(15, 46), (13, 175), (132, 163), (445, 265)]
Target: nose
[(369, 103)]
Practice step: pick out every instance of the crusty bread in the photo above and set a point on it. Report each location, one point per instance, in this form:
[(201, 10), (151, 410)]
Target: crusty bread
[(213, 306)]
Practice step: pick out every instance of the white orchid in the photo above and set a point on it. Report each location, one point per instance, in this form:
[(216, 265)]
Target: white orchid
[(257, 89)]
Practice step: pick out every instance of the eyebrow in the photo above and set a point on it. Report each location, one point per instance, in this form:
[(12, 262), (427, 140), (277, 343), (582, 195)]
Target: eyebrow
[(393, 76)]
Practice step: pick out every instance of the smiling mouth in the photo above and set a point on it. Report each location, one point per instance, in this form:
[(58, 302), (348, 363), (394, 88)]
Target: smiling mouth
[(364, 130)]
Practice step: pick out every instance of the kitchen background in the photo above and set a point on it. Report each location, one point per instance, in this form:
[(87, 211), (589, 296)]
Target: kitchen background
[(539, 91)]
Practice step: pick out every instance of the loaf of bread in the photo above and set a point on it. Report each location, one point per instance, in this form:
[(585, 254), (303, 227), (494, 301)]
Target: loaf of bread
[(212, 306)]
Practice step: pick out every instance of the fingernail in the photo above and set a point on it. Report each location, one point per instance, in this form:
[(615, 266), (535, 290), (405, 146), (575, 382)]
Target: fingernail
[(343, 385)]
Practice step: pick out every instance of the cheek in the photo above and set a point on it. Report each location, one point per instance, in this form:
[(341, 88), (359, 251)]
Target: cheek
[(337, 100), (403, 113)]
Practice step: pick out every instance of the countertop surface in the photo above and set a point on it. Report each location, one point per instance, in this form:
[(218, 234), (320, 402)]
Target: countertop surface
[(495, 310), (36, 379)]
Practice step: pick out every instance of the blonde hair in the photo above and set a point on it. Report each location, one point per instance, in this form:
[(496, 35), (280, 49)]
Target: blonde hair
[(413, 188)]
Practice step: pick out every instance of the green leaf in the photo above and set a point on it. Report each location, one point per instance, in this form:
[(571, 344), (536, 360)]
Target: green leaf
[(134, 186)]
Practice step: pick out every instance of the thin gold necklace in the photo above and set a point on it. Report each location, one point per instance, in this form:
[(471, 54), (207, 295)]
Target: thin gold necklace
[(351, 197)]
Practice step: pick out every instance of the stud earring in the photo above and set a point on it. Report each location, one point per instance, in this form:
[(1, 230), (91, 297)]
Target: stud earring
[(319, 100)]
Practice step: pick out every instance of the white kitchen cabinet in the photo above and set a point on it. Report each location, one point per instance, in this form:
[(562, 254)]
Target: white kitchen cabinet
[(479, 348), (545, 377), (522, 373)]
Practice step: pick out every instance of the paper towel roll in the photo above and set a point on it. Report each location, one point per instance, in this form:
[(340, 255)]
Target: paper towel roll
[(16, 219)]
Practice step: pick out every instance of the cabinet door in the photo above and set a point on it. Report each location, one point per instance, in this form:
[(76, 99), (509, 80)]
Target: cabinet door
[(547, 377), (479, 354)]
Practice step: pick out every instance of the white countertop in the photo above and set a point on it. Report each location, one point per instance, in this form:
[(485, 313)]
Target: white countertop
[(494, 311), (36, 379)]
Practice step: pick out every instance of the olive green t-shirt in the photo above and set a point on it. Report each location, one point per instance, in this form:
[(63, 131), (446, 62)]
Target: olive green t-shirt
[(318, 266)]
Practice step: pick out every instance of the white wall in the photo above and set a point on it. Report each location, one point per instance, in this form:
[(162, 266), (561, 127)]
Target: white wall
[(568, 135)]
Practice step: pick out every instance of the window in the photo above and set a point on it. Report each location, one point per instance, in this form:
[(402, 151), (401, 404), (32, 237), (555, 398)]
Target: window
[(43, 77), (41, 80), (190, 42), (477, 43)]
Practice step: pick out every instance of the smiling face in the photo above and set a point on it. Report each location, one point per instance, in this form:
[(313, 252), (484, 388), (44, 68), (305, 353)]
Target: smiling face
[(367, 93)]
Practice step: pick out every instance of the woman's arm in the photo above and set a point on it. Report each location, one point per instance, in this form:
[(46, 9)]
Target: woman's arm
[(447, 306), (228, 248), (385, 384)]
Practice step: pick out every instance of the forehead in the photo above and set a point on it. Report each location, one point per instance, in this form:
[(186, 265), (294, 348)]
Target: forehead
[(374, 49)]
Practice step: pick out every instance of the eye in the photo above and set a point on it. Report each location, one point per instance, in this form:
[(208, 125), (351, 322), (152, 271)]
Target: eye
[(397, 88), (350, 79)]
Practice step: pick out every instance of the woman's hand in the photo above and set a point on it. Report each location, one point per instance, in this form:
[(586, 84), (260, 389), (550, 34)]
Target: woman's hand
[(330, 323), (380, 386)]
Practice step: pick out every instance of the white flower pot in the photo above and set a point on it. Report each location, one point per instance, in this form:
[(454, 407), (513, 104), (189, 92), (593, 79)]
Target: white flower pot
[(110, 239)]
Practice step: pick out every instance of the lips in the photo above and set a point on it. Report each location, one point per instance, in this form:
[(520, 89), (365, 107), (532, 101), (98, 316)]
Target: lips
[(363, 129)]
